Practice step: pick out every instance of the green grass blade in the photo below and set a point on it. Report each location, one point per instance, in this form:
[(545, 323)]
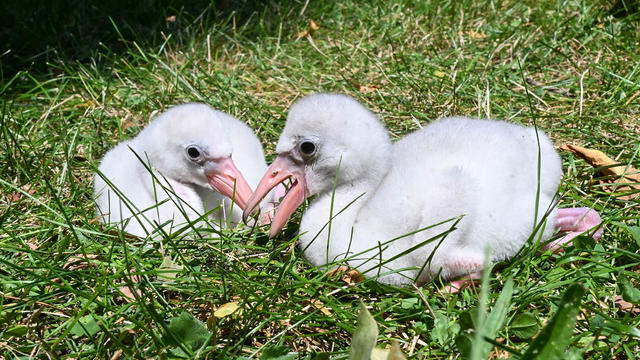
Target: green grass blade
[(554, 338)]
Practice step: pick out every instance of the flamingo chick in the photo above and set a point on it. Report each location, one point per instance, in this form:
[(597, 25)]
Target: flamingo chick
[(430, 204), (180, 166)]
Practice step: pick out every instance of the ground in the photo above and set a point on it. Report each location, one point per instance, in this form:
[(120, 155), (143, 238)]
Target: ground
[(70, 287)]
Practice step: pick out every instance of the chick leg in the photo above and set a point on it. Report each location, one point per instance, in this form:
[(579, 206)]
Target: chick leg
[(463, 282), (464, 266), (573, 222)]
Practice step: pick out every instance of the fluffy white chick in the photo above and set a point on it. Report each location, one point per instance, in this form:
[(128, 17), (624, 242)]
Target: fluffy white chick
[(192, 151), (430, 204)]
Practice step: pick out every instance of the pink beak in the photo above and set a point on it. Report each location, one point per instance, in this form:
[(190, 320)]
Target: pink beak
[(225, 178), (282, 169)]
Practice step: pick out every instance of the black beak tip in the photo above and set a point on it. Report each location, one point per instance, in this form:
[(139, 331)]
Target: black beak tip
[(249, 214)]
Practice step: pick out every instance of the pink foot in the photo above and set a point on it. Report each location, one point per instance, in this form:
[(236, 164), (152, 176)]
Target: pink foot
[(575, 221), (457, 285)]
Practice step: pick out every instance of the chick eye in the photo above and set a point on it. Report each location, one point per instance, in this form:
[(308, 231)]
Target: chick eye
[(307, 148), (193, 152)]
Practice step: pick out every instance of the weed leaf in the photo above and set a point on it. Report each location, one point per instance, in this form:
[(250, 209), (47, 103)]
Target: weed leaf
[(86, 326), (524, 326), (442, 329), (21, 330), (168, 269), (633, 230), (188, 330), (629, 292), (276, 353), (364, 337)]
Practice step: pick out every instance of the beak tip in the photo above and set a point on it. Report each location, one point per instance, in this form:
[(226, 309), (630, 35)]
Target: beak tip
[(249, 212), (246, 215)]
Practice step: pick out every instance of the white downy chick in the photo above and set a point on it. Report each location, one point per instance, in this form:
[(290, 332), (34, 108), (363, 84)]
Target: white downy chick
[(193, 151), (467, 184)]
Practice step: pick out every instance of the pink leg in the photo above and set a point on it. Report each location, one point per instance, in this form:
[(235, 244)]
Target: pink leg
[(575, 221), (463, 265), (457, 285)]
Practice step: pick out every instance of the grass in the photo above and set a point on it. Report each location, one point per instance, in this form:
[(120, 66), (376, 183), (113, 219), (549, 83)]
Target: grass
[(72, 288)]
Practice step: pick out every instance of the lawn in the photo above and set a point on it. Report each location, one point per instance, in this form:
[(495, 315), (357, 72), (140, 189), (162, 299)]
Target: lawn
[(82, 76)]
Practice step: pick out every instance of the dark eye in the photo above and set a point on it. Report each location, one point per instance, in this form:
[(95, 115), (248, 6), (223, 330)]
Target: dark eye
[(307, 148), (193, 152)]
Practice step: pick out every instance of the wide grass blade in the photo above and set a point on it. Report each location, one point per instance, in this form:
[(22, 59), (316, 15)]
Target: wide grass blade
[(556, 336), (364, 337)]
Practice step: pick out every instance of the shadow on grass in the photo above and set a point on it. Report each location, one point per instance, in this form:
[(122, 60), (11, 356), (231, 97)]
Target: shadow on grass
[(36, 32)]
